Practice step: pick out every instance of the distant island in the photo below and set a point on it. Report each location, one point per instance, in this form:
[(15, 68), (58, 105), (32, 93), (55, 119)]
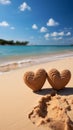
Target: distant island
[(71, 44), (11, 42)]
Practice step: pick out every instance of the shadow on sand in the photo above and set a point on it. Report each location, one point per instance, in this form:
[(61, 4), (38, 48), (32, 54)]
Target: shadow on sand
[(65, 91)]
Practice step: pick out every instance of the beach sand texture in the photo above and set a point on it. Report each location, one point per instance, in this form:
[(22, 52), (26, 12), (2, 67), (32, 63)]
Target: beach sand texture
[(17, 100), (53, 112)]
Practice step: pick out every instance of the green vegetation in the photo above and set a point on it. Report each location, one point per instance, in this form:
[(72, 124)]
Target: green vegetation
[(71, 44), (11, 42)]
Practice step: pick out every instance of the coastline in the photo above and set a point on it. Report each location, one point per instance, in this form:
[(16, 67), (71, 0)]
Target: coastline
[(17, 62), (17, 100)]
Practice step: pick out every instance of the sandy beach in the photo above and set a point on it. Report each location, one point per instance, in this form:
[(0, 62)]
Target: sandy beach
[(17, 100)]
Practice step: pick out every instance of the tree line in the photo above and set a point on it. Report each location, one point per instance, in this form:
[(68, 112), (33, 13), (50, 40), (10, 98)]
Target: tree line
[(11, 42)]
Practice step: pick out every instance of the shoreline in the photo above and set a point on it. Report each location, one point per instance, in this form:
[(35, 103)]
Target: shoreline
[(20, 63)]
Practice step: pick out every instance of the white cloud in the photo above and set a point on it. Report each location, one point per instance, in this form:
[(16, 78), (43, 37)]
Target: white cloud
[(52, 22), (68, 33), (4, 24), (67, 29), (24, 6), (61, 33), (47, 36), (54, 34), (12, 28), (57, 38), (43, 29), (5, 2), (34, 26)]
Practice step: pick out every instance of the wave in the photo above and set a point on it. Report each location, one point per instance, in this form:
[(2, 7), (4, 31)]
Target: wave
[(12, 65), (8, 66)]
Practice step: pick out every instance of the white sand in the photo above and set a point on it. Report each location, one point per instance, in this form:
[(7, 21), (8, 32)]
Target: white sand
[(17, 100)]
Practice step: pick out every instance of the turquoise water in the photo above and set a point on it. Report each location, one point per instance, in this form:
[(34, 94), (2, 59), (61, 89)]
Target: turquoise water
[(27, 54), (32, 50)]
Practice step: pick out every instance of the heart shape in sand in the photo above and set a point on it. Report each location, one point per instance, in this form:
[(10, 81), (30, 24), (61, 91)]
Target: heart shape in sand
[(35, 81), (58, 80)]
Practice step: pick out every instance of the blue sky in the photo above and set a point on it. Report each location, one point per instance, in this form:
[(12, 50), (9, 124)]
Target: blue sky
[(41, 22)]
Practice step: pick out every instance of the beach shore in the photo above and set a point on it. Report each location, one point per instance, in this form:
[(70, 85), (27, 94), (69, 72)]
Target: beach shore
[(17, 100), (16, 62)]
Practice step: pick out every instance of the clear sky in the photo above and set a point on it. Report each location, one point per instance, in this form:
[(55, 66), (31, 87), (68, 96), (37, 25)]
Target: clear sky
[(41, 22)]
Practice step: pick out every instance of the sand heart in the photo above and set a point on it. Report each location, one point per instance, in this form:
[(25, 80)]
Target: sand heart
[(35, 81), (58, 80)]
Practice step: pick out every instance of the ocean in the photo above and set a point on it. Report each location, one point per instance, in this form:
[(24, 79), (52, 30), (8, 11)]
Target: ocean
[(29, 55)]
